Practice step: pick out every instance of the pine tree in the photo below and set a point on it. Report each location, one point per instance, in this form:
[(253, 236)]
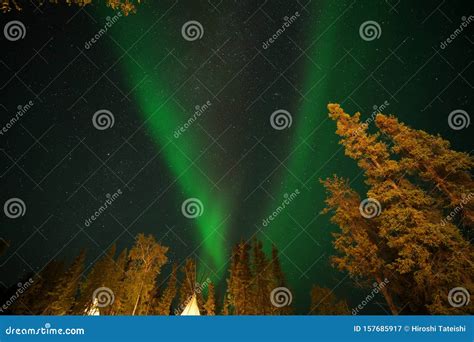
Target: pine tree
[(210, 305), (262, 280), (361, 252), (162, 305), (432, 159), (325, 302), (101, 275), (35, 300), (64, 294), (415, 246)]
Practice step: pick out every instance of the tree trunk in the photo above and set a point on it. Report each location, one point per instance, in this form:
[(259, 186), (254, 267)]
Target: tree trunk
[(388, 297)]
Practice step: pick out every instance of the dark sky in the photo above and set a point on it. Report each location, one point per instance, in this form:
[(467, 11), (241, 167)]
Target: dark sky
[(240, 168)]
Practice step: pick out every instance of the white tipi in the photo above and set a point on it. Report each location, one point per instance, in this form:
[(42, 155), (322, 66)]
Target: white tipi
[(93, 310), (191, 308)]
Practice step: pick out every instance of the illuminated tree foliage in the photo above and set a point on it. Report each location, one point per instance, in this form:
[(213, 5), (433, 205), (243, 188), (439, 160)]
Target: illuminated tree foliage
[(125, 6), (325, 302), (408, 242)]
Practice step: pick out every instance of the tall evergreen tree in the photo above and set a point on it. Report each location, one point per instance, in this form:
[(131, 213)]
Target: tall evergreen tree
[(63, 296), (419, 250), (162, 305), (325, 302), (432, 159), (210, 305)]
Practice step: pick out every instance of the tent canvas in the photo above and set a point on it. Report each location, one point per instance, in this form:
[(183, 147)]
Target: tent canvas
[(191, 308)]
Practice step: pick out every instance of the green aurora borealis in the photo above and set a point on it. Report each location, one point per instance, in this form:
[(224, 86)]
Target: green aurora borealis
[(230, 157)]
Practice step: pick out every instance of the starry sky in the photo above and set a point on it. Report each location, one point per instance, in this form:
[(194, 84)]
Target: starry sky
[(149, 115)]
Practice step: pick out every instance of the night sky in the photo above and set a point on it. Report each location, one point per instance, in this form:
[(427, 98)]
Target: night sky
[(148, 81)]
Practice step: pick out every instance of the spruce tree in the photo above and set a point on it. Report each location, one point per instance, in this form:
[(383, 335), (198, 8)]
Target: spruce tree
[(63, 296)]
